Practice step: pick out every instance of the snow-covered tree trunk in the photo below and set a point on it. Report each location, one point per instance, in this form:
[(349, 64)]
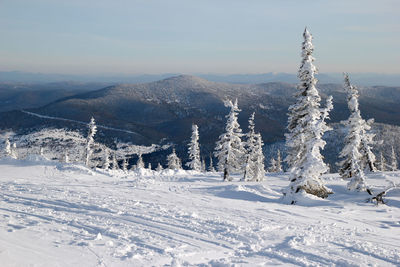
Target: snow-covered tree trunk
[(194, 150), (229, 149), (90, 140), (306, 126), (393, 163), (174, 163)]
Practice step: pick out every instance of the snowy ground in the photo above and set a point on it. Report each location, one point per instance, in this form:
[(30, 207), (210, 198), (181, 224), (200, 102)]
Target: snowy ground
[(66, 215)]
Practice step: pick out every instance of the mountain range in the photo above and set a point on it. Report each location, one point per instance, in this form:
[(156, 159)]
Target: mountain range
[(363, 79), (163, 111)]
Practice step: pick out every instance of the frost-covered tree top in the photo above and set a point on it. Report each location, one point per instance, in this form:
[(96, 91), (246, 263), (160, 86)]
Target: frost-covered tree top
[(306, 126)]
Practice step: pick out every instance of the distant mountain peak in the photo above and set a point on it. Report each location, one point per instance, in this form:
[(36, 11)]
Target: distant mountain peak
[(186, 79)]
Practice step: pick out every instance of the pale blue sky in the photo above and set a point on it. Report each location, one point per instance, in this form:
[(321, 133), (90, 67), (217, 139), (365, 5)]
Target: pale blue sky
[(203, 36)]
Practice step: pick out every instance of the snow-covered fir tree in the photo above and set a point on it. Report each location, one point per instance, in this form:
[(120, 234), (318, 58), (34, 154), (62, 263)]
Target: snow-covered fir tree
[(229, 149), (279, 161), (149, 166), (393, 162), (382, 162), (174, 163), (211, 166), (66, 157), (159, 167), (106, 160), (41, 151), (272, 165), (306, 126), (114, 162), (254, 162), (7, 148), (194, 150), (125, 165), (140, 162), (14, 152), (203, 165), (351, 166), (90, 140)]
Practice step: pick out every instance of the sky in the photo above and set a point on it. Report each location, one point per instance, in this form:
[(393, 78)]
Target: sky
[(203, 36)]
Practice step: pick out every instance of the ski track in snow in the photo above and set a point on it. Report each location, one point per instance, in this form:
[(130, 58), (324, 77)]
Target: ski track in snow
[(58, 215), (79, 122)]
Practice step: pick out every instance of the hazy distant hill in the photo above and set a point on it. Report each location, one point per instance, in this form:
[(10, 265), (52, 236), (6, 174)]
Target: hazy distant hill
[(163, 111), (32, 95), (365, 79)]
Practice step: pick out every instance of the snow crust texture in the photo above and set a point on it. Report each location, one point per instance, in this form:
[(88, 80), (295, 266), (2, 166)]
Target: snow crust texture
[(54, 214)]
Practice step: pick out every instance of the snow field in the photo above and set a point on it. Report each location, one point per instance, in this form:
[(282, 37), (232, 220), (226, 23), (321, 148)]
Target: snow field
[(55, 214)]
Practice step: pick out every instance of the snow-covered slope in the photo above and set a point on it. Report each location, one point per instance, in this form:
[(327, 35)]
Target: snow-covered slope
[(66, 215)]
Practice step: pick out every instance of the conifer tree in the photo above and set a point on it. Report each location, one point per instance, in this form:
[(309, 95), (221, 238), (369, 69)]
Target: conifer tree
[(306, 126), (203, 165), (125, 165), (351, 165), (66, 158), (140, 163), (14, 152), (149, 166), (211, 167), (115, 161), (382, 162), (174, 163), (393, 163), (278, 161), (106, 161), (254, 163), (159, 167), (8, 149), (272, 165), (90, 140), (194, 150), (229, 149)]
